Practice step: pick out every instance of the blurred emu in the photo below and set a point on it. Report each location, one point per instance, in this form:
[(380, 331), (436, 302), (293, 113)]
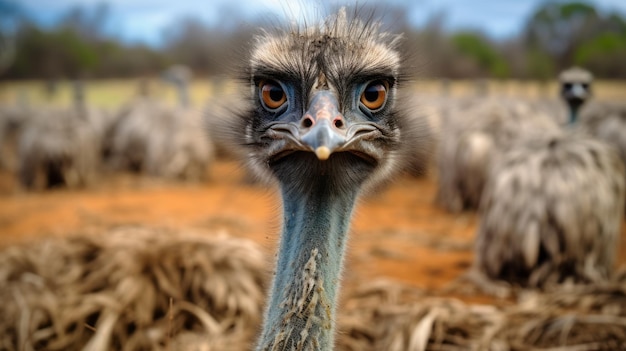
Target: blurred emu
[(552, 206), (473, 133), (61, 146), (162, 140)]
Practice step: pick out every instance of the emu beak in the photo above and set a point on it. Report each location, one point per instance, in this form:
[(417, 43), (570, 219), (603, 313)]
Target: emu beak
[(323, 127), (579, 92)]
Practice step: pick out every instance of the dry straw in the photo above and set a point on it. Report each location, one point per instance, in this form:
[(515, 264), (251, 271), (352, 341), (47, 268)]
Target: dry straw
[(392, 317), (132, 289)]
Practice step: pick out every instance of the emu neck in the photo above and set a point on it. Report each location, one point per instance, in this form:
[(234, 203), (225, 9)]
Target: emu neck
[(573, 113), (301, 309)]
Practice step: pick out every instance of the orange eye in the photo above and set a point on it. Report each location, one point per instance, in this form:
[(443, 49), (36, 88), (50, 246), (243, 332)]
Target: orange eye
[(375, 95), (272, 94)]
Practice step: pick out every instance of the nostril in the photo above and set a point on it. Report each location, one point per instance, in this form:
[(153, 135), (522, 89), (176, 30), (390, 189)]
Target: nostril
[(338, 122), (307, 122)]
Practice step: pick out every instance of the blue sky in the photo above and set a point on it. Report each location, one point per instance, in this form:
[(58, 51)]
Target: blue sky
[(145, 20)]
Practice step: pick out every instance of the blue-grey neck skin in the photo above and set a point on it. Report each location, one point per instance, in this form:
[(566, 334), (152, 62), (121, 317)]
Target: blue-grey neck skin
[(301, 309), (573, 114)]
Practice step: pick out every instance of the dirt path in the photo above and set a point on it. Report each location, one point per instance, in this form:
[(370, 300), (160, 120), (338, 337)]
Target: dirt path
[(397, 233)]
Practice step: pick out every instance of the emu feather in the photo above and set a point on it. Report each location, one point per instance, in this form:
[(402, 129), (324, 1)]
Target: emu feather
[(552, 211)]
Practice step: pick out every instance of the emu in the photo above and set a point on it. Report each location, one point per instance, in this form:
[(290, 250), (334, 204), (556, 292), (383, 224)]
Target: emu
[(162, 140), (61, 146), (323, 122), (553, 203), (137, 120), (478, 130)]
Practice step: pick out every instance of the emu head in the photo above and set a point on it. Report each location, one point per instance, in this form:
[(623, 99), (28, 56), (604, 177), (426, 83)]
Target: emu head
[(575, 89), (323, 103)]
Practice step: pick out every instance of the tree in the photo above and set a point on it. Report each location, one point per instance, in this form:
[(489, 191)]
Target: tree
[(482, 52), (604, 55), (575, 33), (9, 13)]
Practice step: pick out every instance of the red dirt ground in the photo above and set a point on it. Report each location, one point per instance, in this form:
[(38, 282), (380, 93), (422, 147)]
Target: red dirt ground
[(397, 233)]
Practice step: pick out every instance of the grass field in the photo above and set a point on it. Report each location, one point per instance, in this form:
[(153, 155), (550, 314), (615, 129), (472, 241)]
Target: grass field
[(398, 236), (112, 93), (102, 93)]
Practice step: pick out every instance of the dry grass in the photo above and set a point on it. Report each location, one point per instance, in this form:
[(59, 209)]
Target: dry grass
[(112, 93), (109, 93), (131, 288), (135, 288), (388, 316), (602, 90)]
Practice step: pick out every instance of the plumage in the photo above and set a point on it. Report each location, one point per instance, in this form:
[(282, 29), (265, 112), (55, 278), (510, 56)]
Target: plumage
[(552, 211), (606, 121), (473, 134)]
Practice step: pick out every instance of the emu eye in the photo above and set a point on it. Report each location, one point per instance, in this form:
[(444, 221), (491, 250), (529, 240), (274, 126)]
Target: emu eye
[(375, 95), (272, 94)]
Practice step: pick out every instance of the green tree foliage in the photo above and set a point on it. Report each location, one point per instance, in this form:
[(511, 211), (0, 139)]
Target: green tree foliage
[(78, 47), (540, 65), (479, 49), (558, 28), (557, 35), (576, 33), (604, 55), (8, 12), (52, 54), (605, 52)]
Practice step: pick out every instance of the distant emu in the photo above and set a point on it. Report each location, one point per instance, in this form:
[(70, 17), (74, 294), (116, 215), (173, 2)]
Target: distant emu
[(160, 140), (553, 203), (60, 146)]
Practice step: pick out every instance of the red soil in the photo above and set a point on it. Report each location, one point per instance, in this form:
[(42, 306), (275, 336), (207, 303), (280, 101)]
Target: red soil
[(397, 233)]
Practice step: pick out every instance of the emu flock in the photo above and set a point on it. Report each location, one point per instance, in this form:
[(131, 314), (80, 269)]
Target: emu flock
[(325, 113), (52, 146)]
